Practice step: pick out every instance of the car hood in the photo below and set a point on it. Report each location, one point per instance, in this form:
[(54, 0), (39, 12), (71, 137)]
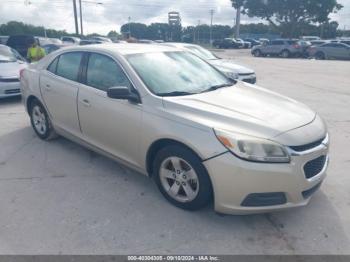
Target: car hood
[(242, 108), (228, 65), (11, 69)]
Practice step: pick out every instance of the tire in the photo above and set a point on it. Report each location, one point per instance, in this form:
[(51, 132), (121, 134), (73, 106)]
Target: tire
[(285, 53), (182, 178), (40, 121), (257, 53), (320, 56)]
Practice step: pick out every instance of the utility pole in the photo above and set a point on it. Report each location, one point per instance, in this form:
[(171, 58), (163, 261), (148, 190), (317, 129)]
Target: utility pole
[(211, 25), (238, 21), (129, 19), (199, 23), (81, 18), (75, 17)]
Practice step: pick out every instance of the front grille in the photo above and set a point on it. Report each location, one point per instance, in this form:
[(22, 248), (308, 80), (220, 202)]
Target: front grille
[(12, 91), (307, 146), (9, 80), (314, 167)]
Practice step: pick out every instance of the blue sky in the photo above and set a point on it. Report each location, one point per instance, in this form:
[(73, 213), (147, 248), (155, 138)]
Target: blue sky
[(112, 14)]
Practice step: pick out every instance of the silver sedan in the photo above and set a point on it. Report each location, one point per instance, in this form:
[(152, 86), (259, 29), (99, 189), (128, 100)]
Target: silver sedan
[(330, 51)]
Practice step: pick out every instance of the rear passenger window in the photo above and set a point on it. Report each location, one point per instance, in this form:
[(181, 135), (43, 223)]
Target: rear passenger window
[(103, 73), (52, 67), (68, 65)]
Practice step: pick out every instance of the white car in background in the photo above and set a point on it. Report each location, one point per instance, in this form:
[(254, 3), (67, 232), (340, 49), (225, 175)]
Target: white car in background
[(11, 63), (226, 66)]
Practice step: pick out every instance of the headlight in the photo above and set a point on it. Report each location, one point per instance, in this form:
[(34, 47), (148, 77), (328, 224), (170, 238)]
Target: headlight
[(253, 148), (232, 75)]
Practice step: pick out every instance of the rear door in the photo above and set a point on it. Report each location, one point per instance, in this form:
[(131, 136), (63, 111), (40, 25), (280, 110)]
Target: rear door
[(59, 87), (276, 47)]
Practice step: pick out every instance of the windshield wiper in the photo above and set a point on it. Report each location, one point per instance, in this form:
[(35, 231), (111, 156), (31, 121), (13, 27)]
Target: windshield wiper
[(212, 88), (176, 93)]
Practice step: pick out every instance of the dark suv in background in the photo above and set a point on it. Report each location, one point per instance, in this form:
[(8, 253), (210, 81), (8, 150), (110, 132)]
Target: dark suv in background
[(279, 47), (21, 43), (226, 43)]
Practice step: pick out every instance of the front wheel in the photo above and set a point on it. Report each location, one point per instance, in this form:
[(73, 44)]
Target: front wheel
[(182, 178), (40, 121), (257, 53), (320, 56)]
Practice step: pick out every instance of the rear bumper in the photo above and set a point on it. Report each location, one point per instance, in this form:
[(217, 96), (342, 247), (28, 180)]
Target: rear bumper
[(8, 89), (242, 187)]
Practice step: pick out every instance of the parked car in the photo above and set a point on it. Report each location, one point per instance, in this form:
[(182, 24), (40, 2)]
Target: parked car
[(145, 41), (3, 39), (101, 39), (347, 42), (318, 42), (21, 43), (90, 42), (174, 117), (226, 66), (279, 47), (310, 38), (226, 43), (11, 62), (49, 48), (70, 40), (253, 42), (330, 51), (243, 44), (304, 46)]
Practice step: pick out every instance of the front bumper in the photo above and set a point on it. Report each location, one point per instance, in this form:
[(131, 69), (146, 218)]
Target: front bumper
[(235, 180), (8, 89)]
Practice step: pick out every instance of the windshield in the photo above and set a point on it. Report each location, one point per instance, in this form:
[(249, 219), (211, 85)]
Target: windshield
[(202, 53), (9, 55), (176, 73)]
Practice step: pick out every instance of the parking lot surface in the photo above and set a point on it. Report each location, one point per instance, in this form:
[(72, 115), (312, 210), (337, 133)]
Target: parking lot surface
[(60, 198)]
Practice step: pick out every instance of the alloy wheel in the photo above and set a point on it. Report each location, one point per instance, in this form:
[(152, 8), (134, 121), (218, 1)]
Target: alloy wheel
[(179, 179), (39, 120)]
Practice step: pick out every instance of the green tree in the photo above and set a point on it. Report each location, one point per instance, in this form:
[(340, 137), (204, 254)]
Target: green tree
[(289, 16), (15, 28), (158, 31), (138, 30), (113, 33)]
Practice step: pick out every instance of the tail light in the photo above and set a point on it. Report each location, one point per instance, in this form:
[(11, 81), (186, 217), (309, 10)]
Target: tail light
[(296, 46)]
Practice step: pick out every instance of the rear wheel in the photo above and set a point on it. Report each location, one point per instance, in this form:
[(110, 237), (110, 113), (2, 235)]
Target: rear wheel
[(182, 178), (40, 121)]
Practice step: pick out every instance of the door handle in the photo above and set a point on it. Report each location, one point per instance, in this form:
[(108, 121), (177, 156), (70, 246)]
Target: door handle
[(85, 102)]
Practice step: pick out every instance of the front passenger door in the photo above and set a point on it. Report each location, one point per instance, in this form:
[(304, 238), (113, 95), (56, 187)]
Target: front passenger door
[(112, 125)]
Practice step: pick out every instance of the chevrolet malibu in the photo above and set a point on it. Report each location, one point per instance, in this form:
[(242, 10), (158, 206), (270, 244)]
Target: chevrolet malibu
[(172, 116)]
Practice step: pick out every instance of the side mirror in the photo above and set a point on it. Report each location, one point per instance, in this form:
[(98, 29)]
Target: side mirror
[(122, 92)]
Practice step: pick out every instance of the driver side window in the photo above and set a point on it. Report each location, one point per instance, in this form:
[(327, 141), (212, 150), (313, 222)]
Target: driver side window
[(103, 73)]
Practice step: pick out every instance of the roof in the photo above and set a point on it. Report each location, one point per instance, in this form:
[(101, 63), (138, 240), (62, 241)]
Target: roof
[(123, 49)]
